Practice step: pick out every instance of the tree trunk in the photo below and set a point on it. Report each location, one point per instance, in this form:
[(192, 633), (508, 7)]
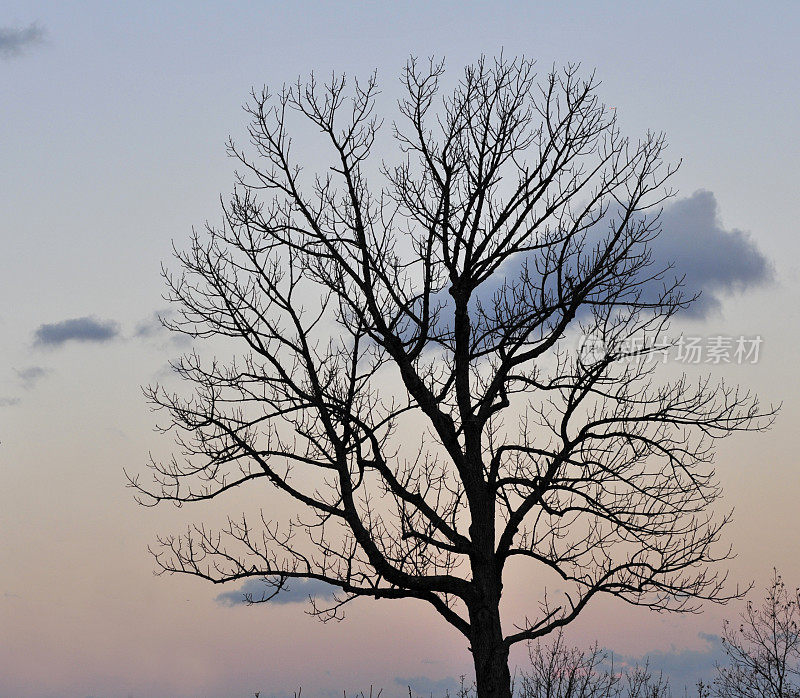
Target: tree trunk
[(489, 653)]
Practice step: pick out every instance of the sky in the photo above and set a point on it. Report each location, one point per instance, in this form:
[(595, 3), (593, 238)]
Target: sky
[(112, 146)]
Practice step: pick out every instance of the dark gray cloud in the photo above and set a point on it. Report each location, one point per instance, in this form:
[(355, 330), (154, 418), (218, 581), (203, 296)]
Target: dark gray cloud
[(715, 261), (31, 375), (13, 41), (82, 329), (712, 261), (296, 591)]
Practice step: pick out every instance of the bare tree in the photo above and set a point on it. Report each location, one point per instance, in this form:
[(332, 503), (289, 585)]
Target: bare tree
[(763, 649), (407, 374), (559, 671)]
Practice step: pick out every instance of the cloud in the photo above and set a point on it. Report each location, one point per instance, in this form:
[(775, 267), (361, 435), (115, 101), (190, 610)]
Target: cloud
[(82, 329), (296, 591), (683, 667), (8, 401), (715, 261), (14, 41), (152, 329), (31, 375)]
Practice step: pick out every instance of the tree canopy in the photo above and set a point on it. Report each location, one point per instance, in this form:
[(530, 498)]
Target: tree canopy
[(406, 367)]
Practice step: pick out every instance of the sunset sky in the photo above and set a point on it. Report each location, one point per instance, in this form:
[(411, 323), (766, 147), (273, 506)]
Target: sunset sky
[(113, 122)]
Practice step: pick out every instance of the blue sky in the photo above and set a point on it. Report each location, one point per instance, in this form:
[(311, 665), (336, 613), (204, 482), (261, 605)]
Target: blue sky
[(114, 120)]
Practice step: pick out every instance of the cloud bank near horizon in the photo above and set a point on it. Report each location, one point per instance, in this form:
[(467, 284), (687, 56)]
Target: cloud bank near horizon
[(684, 667)]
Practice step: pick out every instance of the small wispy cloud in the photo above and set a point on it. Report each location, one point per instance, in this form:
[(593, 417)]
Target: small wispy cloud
[(152, 330), (296, 591), (15, 40), (31, 375), (151, 327), (82, 329), (9, 401)]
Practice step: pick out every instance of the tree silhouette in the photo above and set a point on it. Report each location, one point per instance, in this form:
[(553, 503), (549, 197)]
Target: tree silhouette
[(559, 671), (763, 649), (403, 362)]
